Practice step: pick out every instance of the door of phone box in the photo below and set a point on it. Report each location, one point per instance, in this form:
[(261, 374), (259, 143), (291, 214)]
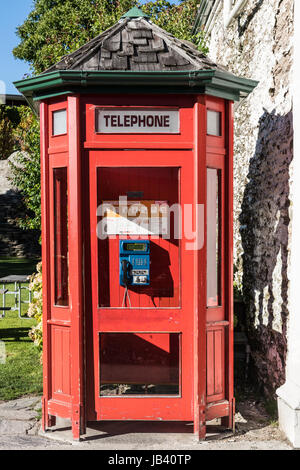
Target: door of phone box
[(140, 339)]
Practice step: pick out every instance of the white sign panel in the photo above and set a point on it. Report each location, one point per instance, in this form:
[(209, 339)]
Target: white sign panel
[(137, 121), (142, 218)]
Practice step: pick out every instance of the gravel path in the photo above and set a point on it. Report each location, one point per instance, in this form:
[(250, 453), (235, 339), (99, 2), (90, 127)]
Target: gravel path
[(20, 429)]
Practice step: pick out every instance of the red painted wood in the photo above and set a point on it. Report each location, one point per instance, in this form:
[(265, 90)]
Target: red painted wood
[(220, 156), (218, 350), (215, 364), (165, 167), (46, 265), (76, 266), (59, 408), (60, 359), (216, 159), (200, 270), (142, 317), (229, 339), (219, 361), (56, 340), (217, 410), (210, 361)]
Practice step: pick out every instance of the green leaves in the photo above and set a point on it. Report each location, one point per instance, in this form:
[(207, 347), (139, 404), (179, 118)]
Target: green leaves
[(53, 31), (26, 168), (9, 119), (36, 307), (55, 28)]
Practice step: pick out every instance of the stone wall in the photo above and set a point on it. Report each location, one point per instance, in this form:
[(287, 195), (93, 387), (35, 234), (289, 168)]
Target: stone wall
[(14, 242), (258, 45)]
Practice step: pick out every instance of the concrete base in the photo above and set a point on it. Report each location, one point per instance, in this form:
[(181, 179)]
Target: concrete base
[(136, 434), (289, 412)]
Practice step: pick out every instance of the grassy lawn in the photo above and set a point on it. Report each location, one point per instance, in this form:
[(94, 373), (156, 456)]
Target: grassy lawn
[(21, 373)]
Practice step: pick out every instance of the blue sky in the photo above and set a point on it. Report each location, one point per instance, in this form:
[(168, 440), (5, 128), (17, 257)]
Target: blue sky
[(12, 15)]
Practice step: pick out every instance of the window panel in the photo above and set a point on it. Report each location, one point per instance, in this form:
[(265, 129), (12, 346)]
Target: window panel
[(214, 123), (59, 122), (61, 269), (139, 364), (213, 237)]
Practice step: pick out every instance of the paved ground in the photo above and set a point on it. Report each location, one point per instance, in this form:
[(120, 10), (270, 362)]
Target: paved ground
[(20, 429)]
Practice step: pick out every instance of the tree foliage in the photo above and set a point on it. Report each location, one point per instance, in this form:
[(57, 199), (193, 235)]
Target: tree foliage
[(26, 168), (55, 28), (9, 119)]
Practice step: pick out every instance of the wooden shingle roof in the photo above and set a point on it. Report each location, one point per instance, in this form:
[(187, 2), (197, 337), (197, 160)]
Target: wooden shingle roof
[(136, 44)]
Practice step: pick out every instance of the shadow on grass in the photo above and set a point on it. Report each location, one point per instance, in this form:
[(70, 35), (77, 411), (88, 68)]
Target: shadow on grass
[(17, 266), (14, 334)]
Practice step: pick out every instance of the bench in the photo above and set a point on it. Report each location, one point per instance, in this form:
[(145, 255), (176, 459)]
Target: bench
[(17, 280)]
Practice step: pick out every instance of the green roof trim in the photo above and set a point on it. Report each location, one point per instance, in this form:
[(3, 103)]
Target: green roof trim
[(135, 12), (212, 82)]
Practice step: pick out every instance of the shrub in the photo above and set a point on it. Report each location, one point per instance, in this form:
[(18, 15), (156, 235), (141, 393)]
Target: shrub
[(9, 120), (26, 169), (36, 307)]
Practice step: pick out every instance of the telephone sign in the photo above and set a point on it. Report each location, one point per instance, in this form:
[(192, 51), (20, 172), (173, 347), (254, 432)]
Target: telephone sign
[(137, 121)]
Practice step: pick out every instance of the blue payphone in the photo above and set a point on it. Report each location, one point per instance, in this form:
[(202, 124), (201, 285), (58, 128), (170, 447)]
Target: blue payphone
[(134, 263)]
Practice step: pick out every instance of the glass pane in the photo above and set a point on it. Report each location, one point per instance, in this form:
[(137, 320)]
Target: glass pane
[(60, 122), (213, 123), (158, 187), (139, 364), (61, 270), (213, 237)]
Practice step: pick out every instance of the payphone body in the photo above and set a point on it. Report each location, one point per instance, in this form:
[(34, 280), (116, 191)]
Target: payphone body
[(135, 262)]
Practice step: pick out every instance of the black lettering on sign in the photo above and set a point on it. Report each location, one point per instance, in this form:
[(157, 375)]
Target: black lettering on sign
[(150, 121), (126, 121), (159, 121), (141, 121)]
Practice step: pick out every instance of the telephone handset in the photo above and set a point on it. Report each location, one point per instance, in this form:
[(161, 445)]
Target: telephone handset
[(125, 276)]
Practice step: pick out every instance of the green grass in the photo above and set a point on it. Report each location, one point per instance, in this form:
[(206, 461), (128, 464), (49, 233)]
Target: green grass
[(21, 374)]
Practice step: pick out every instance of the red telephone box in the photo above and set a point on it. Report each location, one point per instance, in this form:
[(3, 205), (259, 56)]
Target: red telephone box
[(136, 157)]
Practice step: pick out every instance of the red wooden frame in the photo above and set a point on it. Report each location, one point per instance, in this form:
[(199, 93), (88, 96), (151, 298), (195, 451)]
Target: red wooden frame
[(136, 320), (208, 345)]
